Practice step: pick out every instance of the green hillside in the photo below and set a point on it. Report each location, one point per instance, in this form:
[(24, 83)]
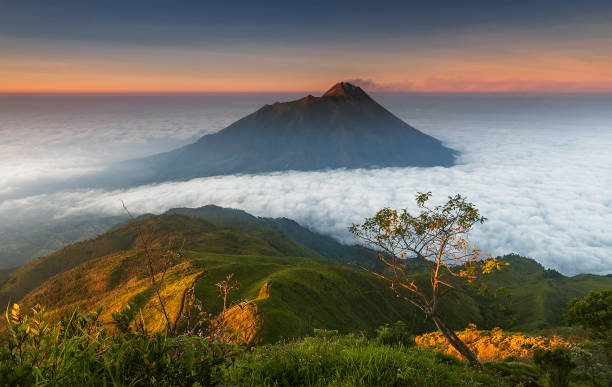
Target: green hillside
[(322, 244), (303, 290), (198, 234), (526, 296), (306, 292)]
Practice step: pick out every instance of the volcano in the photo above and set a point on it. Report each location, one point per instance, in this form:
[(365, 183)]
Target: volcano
[(344, 128)]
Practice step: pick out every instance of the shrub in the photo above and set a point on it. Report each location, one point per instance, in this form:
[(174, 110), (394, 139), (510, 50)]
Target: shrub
[(557, 364), (396, 334), (349, 361), (493, 345), (326, 334), (79, 351), (515, 374), (594, 313)]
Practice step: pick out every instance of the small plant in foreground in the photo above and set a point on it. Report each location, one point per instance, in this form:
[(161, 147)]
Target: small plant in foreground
[(396, 334), (557, 364), (78, 350), (351, 360)]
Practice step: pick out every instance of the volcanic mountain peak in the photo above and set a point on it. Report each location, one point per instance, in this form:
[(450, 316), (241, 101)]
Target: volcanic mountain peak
[(347, 90), (344, 128)]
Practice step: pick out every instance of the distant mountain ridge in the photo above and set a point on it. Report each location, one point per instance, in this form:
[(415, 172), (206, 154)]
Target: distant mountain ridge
[(344, 128), (229, 231), (324, 245)]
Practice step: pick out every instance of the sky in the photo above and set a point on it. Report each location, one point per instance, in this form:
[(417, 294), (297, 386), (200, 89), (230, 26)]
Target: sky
[(283, 46)]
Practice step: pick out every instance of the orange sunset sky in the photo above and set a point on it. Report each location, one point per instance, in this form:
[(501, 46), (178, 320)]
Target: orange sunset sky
[(147, 47)]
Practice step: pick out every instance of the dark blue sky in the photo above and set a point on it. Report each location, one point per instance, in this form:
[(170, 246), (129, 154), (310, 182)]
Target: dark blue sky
[(201, 22), (103, 33)]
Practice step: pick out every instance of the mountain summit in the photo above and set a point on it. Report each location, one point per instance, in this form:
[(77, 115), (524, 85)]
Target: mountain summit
[(346, 90), (344, 128)]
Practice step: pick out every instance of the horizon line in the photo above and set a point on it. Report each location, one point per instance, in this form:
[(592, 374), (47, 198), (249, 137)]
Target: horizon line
[(300, 92)]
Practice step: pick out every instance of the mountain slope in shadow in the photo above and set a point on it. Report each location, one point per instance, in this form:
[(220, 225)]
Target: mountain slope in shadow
[(344, 128)]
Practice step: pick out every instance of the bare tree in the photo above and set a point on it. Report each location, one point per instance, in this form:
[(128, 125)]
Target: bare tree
[(188, 302), (225, 287), (435, 237), (190, 317), (158, 262)]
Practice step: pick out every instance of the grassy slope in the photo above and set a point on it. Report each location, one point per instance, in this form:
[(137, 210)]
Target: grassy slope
[(538, 298), (111, 282), (198, 234), (353, 361), (241, 220), (306, 293)]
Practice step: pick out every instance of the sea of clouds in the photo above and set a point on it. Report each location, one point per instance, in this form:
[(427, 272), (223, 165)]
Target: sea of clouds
[(539, 168)]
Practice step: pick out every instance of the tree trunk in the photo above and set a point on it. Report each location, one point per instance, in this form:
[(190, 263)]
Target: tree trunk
[(456, 342)]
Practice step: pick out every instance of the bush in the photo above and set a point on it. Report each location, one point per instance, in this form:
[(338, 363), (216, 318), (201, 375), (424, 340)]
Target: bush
[(396, 335), (557, 364), (79, 351), (326, 334), (515, 374), (493, 345), (349, 361), (594, 313)]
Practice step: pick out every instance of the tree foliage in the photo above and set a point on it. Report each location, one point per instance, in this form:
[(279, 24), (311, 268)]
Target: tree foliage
[(435, 237), (593, 313), (556, 363)]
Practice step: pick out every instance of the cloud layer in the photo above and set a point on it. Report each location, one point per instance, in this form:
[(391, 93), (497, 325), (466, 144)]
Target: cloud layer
[(539, 171)]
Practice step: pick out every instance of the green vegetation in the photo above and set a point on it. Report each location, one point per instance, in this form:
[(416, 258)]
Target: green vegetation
[(322, 244), (557, 364), (198, 234), (352, 360), (287, 291), (78, 351), (525, 296), (593, 313), (305, 293), (435, 239)]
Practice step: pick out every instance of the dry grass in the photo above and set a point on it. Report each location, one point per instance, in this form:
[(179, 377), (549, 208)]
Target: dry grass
[(495, 344), (111, 282)]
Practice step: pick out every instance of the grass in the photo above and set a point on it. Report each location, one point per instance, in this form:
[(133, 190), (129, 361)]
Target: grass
[(304, 294), (198, 234), (79, 351), (351, 360), (536, 298)]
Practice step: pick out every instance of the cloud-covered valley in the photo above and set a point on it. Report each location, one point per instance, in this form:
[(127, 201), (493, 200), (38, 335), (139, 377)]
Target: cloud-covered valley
[(539, 170)]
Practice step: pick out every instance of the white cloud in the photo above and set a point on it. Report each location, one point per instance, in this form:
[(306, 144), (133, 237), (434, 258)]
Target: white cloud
[(542, 179), (45, 139)]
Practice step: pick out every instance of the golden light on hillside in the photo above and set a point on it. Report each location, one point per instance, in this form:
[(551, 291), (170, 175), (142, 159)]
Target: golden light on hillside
[(495, 344)]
